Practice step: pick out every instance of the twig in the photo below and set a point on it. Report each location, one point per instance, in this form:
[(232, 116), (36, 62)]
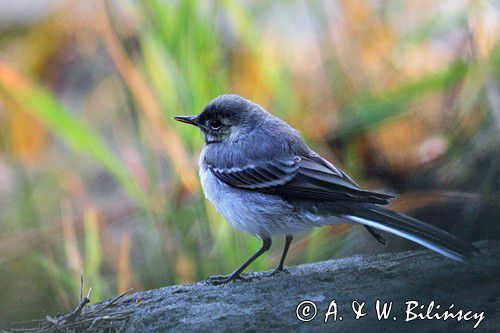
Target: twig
[(114, 300), (79, 308), (97, 320), (81, 286)]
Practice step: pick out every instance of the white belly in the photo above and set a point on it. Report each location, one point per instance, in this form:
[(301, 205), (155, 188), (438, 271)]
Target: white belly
[(252, 212)]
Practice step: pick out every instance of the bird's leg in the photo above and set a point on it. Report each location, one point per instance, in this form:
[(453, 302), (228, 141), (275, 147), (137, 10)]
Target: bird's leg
[(266, 244), (279, 268)]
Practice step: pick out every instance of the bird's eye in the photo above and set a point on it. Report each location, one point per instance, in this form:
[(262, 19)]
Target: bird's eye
[(215, 124)]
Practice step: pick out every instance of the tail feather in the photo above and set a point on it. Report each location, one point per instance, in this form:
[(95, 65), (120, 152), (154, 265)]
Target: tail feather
[(412, 229)]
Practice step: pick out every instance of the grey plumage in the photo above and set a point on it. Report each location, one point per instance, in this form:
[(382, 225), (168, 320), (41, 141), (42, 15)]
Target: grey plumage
[(264, 180)]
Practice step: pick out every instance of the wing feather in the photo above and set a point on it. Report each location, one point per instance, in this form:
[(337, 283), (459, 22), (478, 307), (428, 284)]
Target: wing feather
[(298, 177), (257, 176)]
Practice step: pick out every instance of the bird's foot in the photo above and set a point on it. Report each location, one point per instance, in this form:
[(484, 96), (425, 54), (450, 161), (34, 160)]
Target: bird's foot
[(221, 279)]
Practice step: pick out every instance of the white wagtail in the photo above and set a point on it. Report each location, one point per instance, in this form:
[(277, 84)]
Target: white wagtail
[(264, 180)]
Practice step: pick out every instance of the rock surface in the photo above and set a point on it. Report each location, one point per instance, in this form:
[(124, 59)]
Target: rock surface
[(269, 303)]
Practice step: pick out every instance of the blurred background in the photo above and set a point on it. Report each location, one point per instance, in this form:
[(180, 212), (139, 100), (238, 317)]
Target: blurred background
[(96, 177)]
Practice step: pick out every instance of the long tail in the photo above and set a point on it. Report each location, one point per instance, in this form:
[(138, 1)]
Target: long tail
[(417, 231)]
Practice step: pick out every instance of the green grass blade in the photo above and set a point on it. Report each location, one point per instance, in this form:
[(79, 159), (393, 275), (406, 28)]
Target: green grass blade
[(76, 134), (369, 110)]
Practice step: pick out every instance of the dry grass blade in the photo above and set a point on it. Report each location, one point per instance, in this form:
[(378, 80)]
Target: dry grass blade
[(124, 266), (114, 300)]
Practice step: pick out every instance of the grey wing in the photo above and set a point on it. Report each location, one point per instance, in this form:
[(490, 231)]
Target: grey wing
[(298, 177), (259, 176)]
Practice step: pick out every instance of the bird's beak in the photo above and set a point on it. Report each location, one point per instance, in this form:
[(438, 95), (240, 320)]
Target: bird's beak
[(191, 120), (187, 119)]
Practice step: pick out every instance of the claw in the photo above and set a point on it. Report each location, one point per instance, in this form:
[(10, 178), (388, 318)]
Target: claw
[(221, 279), (278, 271)]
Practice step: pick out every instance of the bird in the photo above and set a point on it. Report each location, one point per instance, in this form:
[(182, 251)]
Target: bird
[(261, 176)]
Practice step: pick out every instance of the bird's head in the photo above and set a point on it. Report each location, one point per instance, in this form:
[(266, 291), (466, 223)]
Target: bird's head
[(226, 118)]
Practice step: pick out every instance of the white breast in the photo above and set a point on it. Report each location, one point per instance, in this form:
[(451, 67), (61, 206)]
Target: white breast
[(259, 214)]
